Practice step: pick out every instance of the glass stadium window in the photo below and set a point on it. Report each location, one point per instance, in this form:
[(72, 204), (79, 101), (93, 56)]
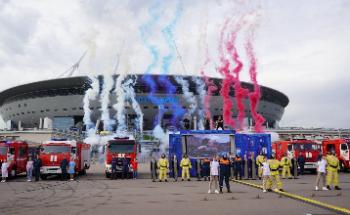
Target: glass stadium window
[(109, 107), (166, 107), (81, 108), (17, 114), (28, 112), (42, 111), (19, 105), (64, 109), (47, 110), (155, 107), (13, 115), (25, 105), (91, 108), (56, 110), (33, 112), (145, 107), (74, 108)]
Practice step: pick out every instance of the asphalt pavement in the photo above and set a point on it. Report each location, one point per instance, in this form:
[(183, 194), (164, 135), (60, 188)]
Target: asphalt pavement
[(94, 194)]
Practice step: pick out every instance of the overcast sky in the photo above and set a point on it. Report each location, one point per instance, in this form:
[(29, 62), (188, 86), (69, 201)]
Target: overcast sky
[(302, 46)]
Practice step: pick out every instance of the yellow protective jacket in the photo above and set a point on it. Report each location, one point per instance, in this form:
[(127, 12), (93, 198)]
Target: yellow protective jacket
[(186, 162), (259, 160), (163, 163), (274, 166), (285, 161), (332, 162)]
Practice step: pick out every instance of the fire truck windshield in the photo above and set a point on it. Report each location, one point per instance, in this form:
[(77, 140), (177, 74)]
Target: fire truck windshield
[(121, 148), (55, 149), (307, 147), (3, 150)]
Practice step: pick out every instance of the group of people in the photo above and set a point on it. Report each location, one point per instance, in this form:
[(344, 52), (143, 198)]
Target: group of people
[(219, 170), (33, 169), (125, 165)]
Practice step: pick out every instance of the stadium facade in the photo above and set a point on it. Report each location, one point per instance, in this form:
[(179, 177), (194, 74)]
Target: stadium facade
[(58, 103)]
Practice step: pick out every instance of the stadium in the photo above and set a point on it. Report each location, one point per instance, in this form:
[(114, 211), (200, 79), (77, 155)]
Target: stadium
[(58, 103)]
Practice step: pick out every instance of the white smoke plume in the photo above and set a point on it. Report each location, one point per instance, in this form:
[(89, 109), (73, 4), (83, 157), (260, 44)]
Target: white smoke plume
[(128, 87), (188, 95), (105, 100), (201, 93), (89, 96), (120, 104)]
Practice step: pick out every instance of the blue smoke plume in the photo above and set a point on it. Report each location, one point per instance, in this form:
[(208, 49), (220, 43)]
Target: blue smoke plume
[(168, 34)]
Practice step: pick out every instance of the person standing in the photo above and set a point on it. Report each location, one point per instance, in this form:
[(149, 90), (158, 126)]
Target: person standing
[(37, 165), (214, 174), (71, 169), (275, 179), (238, 167), (286, 165), (114, 167), (225, 172), (163, 166), (185, 165), (220, 124), (63, 166), (321, 172), (206, 169), (126, 167), (259, 163), (4, 170), (301, 163), (265, 167), (332, 171), (29, 169), (134, 169)]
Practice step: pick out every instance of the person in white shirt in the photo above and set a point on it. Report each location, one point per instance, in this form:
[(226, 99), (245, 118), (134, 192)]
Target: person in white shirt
[(29, 168), (214, 174), (4, 170), (265, 173), (321, 172)]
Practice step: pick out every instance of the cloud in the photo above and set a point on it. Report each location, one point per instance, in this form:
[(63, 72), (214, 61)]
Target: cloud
[(301, 49)]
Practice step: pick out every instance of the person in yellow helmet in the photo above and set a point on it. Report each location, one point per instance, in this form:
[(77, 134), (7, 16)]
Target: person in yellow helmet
[(286, 165), (332, 171), (259, 162), (185, 165), (163, 166), (274, 165)]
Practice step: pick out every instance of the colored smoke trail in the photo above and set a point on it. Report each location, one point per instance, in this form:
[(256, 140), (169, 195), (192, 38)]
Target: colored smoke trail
[(104, 100), (90, 95), (228, 80), (128, 87), (254, 97), (211, 88), (168, 34), (120, 104), (240, 92), (146, 32), (202, 94)]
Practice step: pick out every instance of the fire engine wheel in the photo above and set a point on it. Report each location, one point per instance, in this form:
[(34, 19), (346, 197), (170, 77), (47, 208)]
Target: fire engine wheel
[(108, 175)]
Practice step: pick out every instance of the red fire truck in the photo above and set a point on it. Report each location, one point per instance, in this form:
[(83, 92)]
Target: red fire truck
[(308, 148), (16, 153), (54, 151), (341, 148), (122, 148)]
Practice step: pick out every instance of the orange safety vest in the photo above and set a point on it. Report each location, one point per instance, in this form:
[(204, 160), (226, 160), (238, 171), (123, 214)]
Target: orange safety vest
[(225, 162)]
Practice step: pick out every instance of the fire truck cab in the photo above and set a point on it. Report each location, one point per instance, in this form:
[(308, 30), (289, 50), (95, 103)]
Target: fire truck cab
[(341, 148), (16, 154), (54, 151), (121, 148), (294, 148)]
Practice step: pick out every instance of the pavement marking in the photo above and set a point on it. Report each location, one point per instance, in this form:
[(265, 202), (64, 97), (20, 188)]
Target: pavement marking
[(301, 198)]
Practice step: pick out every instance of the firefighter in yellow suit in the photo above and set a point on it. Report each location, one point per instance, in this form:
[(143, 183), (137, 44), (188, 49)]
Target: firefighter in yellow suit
[(275, 174), (259, 163), (332, 171), (185, 165), (163, 165), (286, 166)]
